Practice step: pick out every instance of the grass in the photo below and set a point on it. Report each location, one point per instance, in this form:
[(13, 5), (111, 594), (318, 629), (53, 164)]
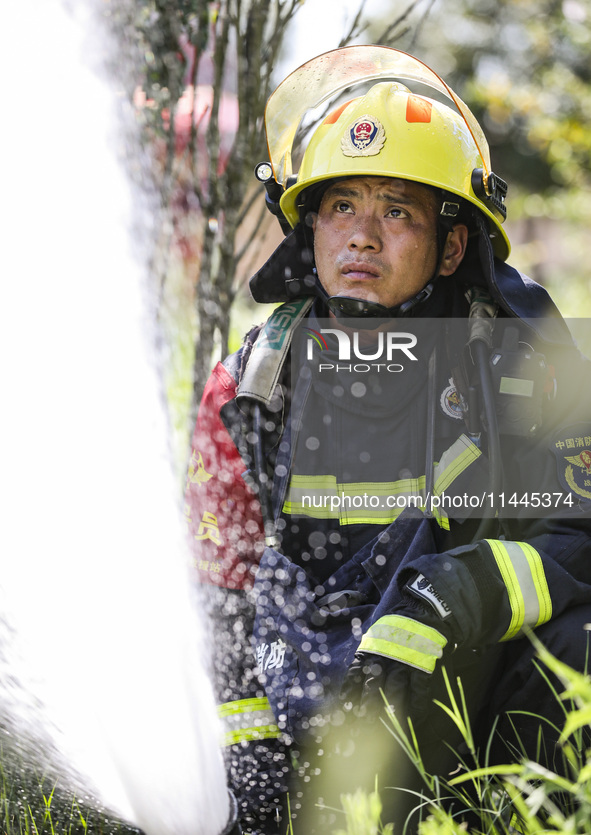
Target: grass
[(33, 804), (516, 798)]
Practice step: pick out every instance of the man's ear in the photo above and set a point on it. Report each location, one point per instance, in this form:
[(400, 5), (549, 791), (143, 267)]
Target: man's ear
[(454, 249)]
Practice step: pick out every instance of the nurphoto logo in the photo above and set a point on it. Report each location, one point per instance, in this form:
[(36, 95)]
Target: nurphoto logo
[(378, 356)]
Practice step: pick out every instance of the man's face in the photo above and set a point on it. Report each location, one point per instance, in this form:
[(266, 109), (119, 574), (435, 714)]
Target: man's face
[(375, 238)]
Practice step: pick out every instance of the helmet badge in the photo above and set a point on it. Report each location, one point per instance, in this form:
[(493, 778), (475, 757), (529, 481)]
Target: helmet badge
[(364, 138)]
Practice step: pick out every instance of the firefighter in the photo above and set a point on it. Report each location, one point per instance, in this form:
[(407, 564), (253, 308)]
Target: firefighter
[(390, 485)]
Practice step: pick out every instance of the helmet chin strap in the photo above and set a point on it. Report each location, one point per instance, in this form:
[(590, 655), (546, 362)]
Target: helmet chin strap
[(347, 307)]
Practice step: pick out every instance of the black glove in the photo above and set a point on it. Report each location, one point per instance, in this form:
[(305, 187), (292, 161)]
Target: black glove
[(398, 655)]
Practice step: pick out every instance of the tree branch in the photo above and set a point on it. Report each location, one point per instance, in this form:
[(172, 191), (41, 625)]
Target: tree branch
[(258, 223), (355, 29), (420, 24), (389, 34)]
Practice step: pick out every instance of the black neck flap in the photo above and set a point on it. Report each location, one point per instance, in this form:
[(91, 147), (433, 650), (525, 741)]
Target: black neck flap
[(288, 272)]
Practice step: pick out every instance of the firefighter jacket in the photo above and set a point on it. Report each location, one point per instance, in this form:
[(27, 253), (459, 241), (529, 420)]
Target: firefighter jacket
[(314, 495)]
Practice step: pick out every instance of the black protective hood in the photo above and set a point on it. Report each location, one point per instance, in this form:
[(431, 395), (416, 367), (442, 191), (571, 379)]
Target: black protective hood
[(288, 274)]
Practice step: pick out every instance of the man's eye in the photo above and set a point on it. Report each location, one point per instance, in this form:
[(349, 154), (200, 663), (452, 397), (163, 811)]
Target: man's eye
[(343, 207), (396, 213)]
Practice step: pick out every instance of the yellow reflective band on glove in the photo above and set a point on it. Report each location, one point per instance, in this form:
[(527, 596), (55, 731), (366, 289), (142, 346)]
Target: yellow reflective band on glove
[(405, 640), (246, 720), (522, 572)]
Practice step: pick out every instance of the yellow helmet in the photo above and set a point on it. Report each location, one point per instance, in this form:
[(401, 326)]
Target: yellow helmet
[(388, 131)]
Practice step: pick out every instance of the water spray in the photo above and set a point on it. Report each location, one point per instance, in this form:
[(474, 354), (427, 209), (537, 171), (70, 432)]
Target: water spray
[(103, 655)]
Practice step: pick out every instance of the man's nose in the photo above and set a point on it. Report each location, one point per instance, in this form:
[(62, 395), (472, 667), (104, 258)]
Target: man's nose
[(366, 234)]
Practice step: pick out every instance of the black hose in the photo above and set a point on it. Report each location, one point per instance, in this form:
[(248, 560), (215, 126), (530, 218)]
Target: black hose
[(262, 477), (481, 354), (430, 439)]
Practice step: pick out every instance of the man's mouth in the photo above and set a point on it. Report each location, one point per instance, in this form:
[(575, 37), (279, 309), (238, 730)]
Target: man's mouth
[(359, 271)]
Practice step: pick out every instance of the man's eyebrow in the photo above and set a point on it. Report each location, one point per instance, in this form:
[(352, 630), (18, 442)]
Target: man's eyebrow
[(395, 197), (342, 191), (386, 196)]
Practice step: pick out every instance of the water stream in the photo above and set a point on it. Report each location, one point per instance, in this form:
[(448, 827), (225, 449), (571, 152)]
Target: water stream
[(102, 663)]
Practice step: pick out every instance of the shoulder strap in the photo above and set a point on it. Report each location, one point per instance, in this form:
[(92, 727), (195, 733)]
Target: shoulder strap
[(263, 367)]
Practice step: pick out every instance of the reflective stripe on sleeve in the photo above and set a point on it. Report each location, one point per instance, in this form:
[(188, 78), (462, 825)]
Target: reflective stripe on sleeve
[(355, 503), (454, 461), (377, 503), (405, 640), (246, 720), (359, 503), (522, 572)]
